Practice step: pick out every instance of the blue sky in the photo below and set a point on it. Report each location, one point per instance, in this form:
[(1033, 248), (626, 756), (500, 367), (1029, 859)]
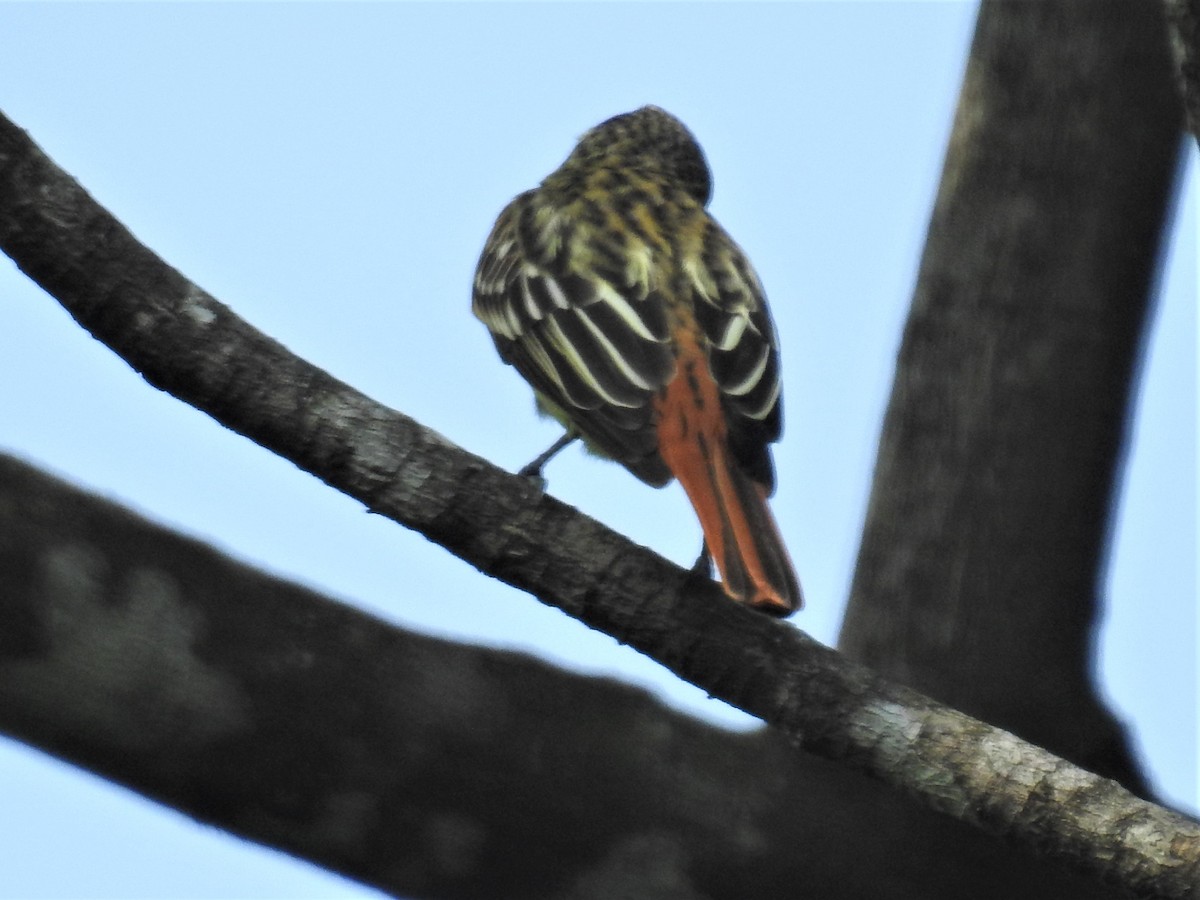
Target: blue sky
[(331, 171)]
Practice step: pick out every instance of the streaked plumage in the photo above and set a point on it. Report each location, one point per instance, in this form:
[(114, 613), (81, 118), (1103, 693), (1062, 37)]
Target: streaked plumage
[(591, 282)]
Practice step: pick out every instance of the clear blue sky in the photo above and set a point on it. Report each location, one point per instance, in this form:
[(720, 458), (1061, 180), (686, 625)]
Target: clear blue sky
[(330, 172)]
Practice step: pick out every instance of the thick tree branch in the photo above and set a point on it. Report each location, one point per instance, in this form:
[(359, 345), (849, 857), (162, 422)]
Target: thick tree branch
[(1184, 19), (184, 341), (420, 766), (980, 572)]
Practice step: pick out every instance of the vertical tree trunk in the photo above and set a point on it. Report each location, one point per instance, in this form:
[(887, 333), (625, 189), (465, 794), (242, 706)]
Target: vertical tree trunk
[(979, 575), (1184, 18)]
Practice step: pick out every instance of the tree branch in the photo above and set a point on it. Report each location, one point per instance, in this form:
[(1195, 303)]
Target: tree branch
[(980, 572), (421, 766), (1184, 19), (184, 341)]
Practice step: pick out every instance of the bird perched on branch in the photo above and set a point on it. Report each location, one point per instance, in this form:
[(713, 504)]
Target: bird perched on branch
[(643, 328)]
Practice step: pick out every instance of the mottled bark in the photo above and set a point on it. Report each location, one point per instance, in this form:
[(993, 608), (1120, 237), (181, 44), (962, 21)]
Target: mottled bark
[(423, 767), (979, 576), (184, 341), (1184, 19)]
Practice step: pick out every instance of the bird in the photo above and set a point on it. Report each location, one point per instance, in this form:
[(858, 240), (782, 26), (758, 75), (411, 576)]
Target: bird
[(642, 327)]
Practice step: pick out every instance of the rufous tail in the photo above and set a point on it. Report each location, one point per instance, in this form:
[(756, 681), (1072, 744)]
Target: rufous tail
[(739, 530)]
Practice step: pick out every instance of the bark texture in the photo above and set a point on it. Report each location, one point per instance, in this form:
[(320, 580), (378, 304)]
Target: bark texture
[(423, 767), (979, 577), (182, 339), (413, 770), (1184, 18)]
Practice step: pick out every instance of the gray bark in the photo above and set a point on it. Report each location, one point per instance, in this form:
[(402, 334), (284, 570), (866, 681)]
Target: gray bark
[(420, 766), (1184, 19), (182, 339), (979, 576)]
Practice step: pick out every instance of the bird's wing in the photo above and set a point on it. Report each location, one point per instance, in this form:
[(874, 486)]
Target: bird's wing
[(597, 349), (731, 309)]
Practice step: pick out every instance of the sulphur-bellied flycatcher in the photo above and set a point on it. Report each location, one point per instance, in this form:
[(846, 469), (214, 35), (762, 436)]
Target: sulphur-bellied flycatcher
[(642, 326)]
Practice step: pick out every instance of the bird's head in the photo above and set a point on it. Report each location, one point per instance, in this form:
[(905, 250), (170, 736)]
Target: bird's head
[(649, 136)]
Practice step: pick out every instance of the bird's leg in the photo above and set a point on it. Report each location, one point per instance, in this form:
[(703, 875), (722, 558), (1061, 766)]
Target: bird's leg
[(534, 468)]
